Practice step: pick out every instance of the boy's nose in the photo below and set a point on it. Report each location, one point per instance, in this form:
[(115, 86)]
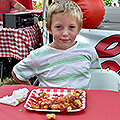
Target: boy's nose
[(65, 32)]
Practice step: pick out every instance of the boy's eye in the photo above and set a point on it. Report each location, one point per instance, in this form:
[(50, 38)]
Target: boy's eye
[(58, 27), (71, 27)]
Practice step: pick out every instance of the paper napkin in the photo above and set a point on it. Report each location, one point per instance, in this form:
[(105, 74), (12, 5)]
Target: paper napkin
[(17, 97)]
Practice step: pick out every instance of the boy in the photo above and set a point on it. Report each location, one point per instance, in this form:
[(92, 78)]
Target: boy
[(65, 62)]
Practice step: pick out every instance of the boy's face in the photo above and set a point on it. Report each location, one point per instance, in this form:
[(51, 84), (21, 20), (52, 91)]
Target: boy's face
[(64, 29)]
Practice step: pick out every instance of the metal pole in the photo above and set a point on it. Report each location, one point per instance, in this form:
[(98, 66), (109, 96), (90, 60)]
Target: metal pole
[(45, 31), (47, 38), (50, 36)]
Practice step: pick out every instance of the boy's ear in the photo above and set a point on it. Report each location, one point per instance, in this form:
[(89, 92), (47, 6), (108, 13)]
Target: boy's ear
[(49, 30)]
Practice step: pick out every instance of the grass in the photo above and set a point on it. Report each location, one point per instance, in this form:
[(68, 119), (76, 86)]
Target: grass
[(7, 81)]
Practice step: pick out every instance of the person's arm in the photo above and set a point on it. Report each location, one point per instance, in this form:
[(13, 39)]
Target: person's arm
[(19, 81), (19, 7)]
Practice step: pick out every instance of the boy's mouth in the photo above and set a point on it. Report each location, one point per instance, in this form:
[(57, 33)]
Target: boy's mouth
[(64, 40)]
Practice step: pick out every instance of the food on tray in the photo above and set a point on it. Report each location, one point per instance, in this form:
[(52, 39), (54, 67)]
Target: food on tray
[(50, 116), (56, 102)]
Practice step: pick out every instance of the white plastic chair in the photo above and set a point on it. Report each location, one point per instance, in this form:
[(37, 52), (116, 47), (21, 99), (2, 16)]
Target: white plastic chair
[(102, 79)]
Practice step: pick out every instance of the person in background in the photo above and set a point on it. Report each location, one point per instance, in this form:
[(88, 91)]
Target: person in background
[(66, 61), (7, 5), (26, 3)]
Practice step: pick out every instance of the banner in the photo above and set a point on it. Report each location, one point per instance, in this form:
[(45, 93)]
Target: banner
[(107, 45)]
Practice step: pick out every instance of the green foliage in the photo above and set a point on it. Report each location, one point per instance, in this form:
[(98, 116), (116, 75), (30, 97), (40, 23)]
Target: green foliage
[(37, 6), (107, 2)]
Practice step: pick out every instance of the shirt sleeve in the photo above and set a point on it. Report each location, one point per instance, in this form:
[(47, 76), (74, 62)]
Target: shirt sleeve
[(25, 69), (12, 3), (95, 63)]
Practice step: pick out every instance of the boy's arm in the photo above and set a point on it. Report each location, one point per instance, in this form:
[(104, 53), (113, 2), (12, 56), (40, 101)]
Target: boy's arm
[(19, 81), (19, 7)]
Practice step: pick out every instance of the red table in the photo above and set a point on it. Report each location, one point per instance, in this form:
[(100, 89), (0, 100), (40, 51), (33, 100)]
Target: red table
[(17, 43), (101, 105)]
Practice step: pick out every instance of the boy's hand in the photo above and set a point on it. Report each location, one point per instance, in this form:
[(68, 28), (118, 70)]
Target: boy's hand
[(19, 81), (19, 7)]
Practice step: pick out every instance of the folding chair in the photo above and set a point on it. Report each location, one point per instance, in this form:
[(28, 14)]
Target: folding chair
[(102, 79)]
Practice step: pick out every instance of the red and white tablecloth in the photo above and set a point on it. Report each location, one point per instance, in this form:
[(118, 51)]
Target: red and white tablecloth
[(17, 43)]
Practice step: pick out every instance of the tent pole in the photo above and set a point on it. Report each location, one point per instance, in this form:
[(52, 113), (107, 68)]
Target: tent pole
[(50, 36)]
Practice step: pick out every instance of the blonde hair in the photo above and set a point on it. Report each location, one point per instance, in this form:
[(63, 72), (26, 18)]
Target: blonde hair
[(64, 6)]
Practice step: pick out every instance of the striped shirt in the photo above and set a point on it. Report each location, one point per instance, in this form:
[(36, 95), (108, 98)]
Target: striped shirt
[(60, 68), (5, 6)]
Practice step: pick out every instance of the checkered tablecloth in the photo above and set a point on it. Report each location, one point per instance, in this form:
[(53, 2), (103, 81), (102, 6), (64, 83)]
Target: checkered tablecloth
[(17, 43)]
